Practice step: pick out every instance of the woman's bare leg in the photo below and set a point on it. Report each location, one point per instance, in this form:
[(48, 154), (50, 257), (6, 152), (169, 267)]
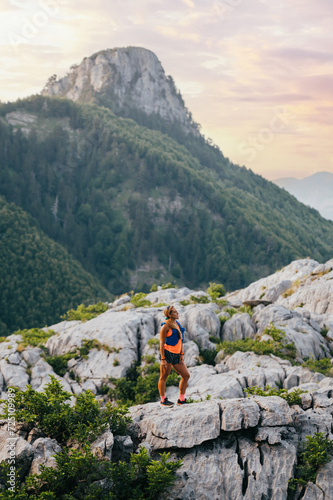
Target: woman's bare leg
[(184, 373), (164, 373)]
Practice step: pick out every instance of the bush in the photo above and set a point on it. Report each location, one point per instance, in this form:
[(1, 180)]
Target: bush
[(51, 412), (153, 342), (34, 337), (168, 285), (323, 366), (83, 313), (207, 356), (199, 300), (140, 385), (184, 302), (79, 474), (216, 290), (265, 347), (292, 398), (316, 452), (154, 288), (139, 300), (59, 363)]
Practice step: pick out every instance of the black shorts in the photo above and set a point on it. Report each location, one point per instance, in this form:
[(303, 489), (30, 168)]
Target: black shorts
[(171, 357)]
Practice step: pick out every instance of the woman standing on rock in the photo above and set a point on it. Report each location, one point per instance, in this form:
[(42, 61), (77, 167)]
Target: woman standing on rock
[(171, 349)]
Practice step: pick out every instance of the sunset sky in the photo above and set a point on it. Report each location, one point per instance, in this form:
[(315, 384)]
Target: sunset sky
[(256, 74)]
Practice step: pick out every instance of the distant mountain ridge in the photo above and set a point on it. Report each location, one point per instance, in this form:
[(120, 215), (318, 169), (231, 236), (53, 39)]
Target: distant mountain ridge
[(315, 191), (124, 79)]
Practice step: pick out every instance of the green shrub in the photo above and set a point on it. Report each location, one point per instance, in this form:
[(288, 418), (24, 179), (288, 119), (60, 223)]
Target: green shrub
[(315, 452), (59, 363), (51, 412), (324, 331), (140, 385), (199, 300), (153, 342), (34, 337), (207, 356), (83, 313), (221, 302), (274, 332), (216, 290), (139, 300), (184, 302), (292, 398), (245, 309), (149, 359), (168, 285), (323, 366), (79, 474), (265, 347), (154, 288), (215, 340)]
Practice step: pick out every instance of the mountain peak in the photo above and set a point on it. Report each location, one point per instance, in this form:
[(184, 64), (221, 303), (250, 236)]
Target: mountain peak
[(124, 79)]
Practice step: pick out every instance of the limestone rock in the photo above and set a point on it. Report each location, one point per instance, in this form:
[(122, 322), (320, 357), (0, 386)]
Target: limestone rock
[(44, 451), (178, 428), (16, 446), (124, 333), (102, 446), (274, 411), (238, 327), (205, 381), (273, 286), (32, 355), (121, 301), (239, 414), (191, 353), (123, 447), (325, 480), (200, 322), (41, 376), (312, 492), (14, 375), (310, 421), (235, 469)]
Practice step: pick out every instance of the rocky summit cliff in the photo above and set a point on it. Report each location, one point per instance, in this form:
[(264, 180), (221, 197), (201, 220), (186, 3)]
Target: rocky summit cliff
[(124, 79), (233, 447)]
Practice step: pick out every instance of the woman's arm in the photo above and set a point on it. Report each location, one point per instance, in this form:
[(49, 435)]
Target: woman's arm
[(163, 334)]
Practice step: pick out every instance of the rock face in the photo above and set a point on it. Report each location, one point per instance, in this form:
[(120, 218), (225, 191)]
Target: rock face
[(130, 77), (246, 450)]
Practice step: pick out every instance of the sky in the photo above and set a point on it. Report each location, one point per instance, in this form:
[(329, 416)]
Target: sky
[(256, 74)]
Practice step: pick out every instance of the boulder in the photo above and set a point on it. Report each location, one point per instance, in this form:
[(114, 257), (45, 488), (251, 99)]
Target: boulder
[(177, 427), (238, 327), (325, 480), (44, 451), (205, 381), (274, 411), (239, 414), (121, 301), (124, 334), (14, 375), (102, 446), (312, 492), (41, 376), (200, 321), (16, 447)]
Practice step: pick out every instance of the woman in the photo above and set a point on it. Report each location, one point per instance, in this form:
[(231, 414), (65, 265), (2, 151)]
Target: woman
[(171, 349)]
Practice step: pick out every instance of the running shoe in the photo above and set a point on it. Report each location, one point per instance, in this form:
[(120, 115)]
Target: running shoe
[(167, 403), (179, 402)]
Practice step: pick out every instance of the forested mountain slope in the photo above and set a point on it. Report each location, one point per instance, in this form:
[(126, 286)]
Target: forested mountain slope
[(120, 196), (39, 280)]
